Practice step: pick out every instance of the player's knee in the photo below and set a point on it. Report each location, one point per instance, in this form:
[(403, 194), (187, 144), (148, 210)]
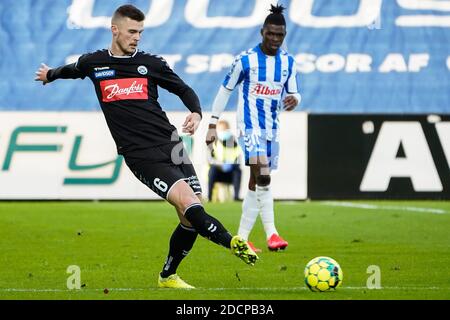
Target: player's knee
[(263, 180), (181, 196), (188, 200)]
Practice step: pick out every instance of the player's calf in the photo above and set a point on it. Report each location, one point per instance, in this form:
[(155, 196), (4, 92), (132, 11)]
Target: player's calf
[(207, 226)]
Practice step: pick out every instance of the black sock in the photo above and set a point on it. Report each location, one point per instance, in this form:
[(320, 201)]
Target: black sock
[(207, 226), (180, 244)]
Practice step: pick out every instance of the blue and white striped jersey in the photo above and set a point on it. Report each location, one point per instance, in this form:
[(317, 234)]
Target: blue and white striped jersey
[(263, 81)]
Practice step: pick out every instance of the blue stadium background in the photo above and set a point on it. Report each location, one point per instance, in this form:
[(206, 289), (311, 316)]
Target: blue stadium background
[(35, 31)]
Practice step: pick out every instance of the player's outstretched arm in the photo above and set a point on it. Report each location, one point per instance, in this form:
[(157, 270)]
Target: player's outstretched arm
[(293, 97), (219, 104), (47, 74), (41, 74)]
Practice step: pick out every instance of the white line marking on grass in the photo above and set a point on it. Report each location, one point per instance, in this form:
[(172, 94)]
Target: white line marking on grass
[(72, 290), (214, 289), (306, 289), (377, 207)]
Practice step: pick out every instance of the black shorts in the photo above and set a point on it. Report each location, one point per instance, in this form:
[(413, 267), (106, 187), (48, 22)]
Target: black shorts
[(160, 170)]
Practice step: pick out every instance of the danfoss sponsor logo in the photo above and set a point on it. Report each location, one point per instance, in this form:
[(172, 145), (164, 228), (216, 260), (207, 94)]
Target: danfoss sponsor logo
[(116, 90), (265, 90), (124, 89)]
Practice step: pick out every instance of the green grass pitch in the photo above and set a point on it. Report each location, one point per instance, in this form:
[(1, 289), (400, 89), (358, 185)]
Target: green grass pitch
[(121, 246)]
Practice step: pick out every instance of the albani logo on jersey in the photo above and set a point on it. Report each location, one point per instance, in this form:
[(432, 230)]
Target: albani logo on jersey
[(265, 90), (124, 89)]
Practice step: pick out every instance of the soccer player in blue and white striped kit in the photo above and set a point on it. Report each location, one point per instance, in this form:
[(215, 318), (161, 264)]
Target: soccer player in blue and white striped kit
[(266, 76)]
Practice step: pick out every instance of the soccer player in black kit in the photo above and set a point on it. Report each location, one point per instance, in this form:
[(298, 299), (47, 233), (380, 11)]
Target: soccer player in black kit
[(126, 82)]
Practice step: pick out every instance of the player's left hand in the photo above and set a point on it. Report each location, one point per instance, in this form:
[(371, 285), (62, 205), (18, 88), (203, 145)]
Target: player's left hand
[(191, 123), (41, 74), (290, 102)]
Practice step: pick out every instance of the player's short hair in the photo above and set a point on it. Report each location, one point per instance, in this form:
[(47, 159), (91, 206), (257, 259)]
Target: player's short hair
[(276, 16), (129, 11)]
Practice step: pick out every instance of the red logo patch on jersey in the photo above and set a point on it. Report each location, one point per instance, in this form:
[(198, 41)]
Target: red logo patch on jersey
[(261, 89), (124, 89)]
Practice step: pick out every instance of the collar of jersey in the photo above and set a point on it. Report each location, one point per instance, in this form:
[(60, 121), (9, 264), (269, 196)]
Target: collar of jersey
[(122, 57), (258, 49)]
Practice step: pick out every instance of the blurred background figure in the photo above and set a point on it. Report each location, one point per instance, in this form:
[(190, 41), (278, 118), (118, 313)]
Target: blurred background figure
[(224, 160)]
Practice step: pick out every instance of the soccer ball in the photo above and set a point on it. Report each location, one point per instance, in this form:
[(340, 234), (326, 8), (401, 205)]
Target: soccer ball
[(323, 274)]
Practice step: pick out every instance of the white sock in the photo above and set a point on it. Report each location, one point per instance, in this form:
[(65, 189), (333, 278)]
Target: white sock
[(265, 199), (250, 210)]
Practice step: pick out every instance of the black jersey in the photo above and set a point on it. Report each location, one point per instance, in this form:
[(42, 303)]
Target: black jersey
[(126, 88)]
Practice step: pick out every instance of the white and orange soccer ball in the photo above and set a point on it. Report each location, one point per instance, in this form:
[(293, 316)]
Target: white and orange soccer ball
[(323, 274)]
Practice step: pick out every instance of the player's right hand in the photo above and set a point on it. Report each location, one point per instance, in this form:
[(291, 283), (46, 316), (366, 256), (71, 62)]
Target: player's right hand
[(41, 74), (290, 102), (211, 135)]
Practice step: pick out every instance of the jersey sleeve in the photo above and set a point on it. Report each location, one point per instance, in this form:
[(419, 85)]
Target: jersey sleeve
[(291, 85), (82, 65), (220, 103), (69, 71), (235, 75), (167, 79)]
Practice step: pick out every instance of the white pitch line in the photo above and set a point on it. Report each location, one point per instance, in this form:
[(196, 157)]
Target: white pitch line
[(215, 289), (306, 289), (377, 207), (68, 290)]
